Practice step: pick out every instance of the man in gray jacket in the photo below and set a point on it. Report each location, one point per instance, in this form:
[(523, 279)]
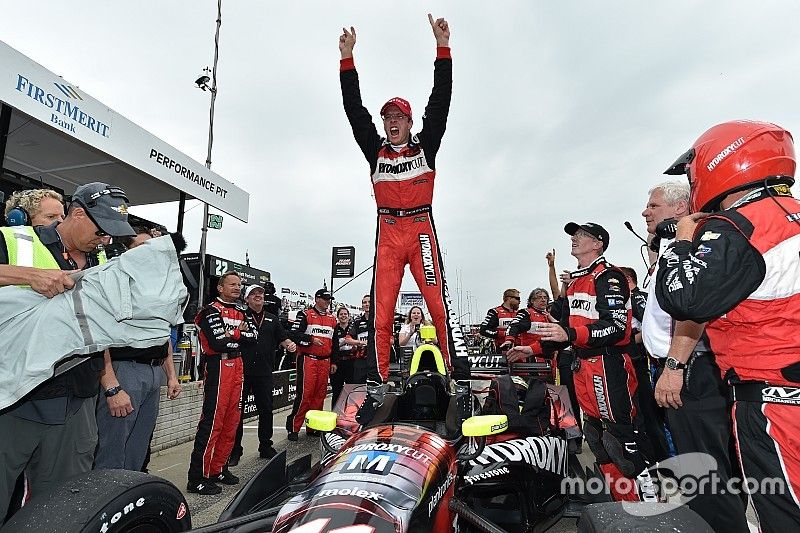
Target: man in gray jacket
[(51, 433)]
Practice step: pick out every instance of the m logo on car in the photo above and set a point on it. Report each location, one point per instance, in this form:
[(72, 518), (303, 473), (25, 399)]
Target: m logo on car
[(371, 463)]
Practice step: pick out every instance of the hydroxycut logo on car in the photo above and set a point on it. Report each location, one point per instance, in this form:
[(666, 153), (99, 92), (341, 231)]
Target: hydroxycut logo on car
[(354, 491), (395, 448), (547, 453)]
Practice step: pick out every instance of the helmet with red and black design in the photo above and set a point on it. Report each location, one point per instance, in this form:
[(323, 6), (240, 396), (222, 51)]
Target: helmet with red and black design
[(734, 156)]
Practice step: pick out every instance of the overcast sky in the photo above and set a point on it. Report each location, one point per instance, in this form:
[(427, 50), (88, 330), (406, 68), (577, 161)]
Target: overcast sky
[(561, 111)]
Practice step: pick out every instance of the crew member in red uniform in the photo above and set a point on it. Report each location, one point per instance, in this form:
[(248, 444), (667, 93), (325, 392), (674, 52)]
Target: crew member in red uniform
[(523, 332), (597, 321), (498, 318), (313, 331), (403, 169), (739, 270), (223, 327)]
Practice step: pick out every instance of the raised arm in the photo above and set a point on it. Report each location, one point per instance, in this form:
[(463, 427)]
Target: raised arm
[(551, 273), (364, 130), (434, 121)]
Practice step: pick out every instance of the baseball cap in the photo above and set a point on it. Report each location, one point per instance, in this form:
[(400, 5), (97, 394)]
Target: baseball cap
[(251, 288), (323, 293), (401, 103), (595, 230), (107, 206)]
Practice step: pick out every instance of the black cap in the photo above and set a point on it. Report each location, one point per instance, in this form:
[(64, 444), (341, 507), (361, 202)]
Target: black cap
[(595, 230), (323, 293), (107, 207)]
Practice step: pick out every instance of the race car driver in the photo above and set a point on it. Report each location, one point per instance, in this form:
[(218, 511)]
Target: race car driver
[(313, 331), (223, 327), (523, 331), (498, 318), (598, 324), (403, 170), (738, 270)]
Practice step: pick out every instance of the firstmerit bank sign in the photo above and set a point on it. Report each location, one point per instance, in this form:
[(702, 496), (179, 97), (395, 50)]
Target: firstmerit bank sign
[(65, 114), (37, 92)]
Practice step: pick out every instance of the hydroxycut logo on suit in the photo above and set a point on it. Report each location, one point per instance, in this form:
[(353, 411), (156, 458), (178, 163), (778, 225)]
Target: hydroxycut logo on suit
[(427, 259)]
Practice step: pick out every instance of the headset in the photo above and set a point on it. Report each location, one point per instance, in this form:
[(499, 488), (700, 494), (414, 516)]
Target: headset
[(17, 216)]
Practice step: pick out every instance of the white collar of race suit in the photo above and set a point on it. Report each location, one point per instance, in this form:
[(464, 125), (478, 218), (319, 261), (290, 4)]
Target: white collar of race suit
[(587, 269)]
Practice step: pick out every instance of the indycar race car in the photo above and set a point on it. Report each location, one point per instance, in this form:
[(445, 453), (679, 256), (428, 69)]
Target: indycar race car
[(414, 466)]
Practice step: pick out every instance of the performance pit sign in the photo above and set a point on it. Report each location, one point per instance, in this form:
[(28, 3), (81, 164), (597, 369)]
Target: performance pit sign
[(35, 91)]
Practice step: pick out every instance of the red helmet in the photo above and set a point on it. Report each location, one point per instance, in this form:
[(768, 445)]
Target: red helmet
[(734, 156)]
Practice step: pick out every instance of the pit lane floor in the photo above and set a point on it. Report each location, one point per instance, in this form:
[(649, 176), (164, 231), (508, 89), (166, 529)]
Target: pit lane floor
[(173, 463)]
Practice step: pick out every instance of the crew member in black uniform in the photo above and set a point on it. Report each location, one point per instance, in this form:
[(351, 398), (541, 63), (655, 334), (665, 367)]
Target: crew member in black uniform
[(259, 363)]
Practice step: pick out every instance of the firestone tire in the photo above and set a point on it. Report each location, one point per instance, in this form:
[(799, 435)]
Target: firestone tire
[(103, 501)]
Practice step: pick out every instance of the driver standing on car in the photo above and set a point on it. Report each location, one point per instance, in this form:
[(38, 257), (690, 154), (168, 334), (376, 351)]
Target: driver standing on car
[(597, 322), (403, 169)]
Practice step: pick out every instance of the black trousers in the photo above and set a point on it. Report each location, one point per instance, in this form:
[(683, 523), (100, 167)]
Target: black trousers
[(768, 447), (261, 389), (347, 371), (651, 415), (703, 425), (343, 374)]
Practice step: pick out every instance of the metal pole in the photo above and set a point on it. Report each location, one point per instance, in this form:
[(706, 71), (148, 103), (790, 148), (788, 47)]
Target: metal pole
[(181, 209), (204, 227)]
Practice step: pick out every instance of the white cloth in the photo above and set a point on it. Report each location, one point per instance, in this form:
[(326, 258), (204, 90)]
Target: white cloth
[(132, 300)]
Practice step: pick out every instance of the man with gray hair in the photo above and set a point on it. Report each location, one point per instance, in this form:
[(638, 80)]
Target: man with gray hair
[(691, 393)]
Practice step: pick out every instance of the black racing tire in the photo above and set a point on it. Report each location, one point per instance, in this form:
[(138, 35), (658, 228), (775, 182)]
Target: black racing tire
[(616, 517), (101, 501)]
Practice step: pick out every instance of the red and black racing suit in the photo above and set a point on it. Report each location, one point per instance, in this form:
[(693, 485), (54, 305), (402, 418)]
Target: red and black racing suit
[(741, 275), (523, 332), (598, 324), (496, 323), (313, 362), (402, 182), (220, 326)]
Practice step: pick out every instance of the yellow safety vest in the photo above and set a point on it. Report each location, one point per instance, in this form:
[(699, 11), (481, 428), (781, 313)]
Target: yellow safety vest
[(26, 249)]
